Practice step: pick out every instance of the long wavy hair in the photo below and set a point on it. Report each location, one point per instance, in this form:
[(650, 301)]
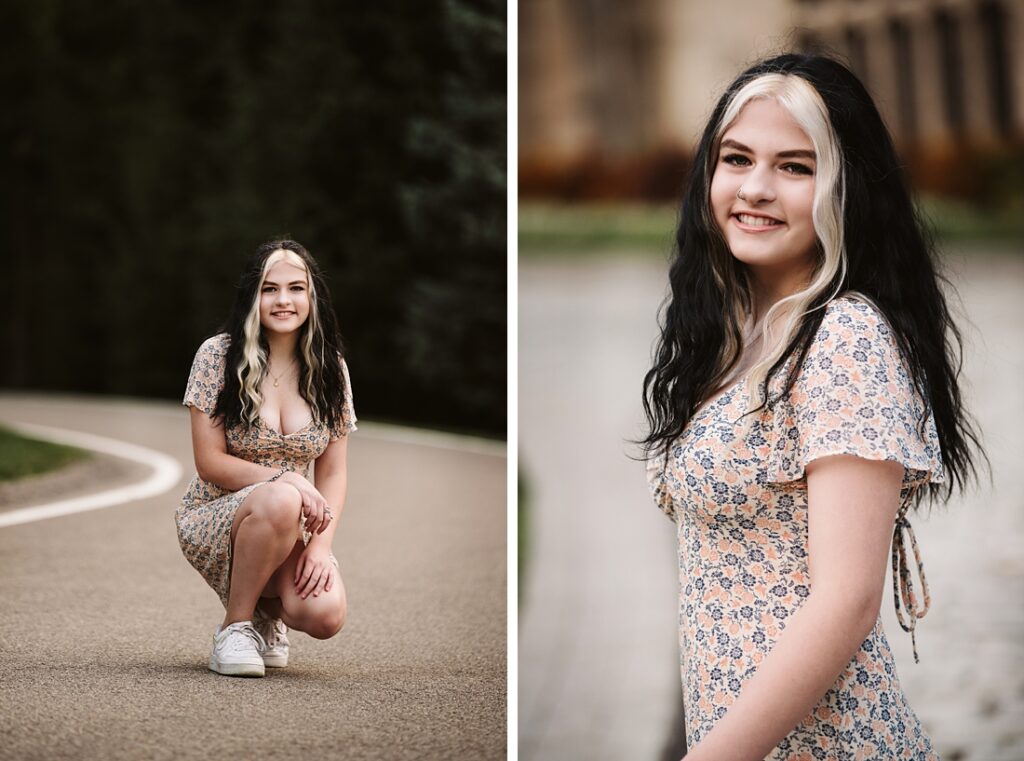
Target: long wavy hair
[(319, 349), (871, 243)]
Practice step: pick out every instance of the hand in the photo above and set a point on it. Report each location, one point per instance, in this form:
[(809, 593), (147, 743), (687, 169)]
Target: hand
[(314, 507), (315, 572)]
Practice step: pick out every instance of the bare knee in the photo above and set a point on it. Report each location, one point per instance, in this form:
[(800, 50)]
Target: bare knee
[(277, 505), (326, 624)]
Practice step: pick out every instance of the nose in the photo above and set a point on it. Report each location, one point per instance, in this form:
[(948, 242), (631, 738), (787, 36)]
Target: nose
[(758, 186)]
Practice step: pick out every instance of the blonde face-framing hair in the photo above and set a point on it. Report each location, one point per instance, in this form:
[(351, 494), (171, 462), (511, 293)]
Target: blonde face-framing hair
[(252, 366), (871, 242), (804, 104)]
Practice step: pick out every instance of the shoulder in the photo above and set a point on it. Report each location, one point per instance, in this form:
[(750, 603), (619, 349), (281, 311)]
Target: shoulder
[(853, 394), (854, 349), (853, 316), (210, 356), (216, 345), (207, 374), (854, 328)]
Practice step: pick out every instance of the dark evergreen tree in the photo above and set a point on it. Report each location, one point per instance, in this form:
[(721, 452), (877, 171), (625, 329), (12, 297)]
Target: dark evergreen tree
[(148, 148)]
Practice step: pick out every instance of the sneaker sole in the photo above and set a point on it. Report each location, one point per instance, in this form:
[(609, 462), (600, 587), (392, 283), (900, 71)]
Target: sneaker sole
[(237, 669), (275, 661)]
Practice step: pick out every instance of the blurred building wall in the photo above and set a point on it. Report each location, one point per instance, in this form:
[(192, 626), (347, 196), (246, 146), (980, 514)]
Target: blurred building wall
[(942, 72), (610, 89)]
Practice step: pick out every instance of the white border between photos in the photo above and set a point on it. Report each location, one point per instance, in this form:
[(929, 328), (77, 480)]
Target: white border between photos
[(512, 419)]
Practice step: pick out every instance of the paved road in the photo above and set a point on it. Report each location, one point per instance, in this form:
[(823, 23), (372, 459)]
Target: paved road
[(597, 646), (105, 628)]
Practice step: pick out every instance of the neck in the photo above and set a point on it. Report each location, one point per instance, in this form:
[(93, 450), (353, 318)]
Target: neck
[(282, 346), (770, 287)]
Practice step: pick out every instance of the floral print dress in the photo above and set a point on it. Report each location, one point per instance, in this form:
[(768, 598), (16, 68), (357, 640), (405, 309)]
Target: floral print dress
[(737, 492), (207, 511)]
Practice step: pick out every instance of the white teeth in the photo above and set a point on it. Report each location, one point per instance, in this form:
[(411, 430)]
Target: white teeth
[(748, 219)]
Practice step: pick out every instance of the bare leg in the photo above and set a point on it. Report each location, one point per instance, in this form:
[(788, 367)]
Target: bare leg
[(320, 617), (263, 535)]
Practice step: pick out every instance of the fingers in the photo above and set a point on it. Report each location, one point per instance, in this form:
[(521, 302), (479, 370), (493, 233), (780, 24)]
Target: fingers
[(315, 512), (313, 577), (327, 518), (311, 583), (321, 585), (321, 518), (307, 584), (315, 522)]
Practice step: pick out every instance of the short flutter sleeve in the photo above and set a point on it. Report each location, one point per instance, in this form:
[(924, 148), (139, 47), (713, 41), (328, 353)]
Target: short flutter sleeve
[(347, 424), (853, 396), (207, 376), (663, 484)]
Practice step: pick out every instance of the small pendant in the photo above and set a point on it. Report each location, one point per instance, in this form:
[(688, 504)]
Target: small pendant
[(275, 384)]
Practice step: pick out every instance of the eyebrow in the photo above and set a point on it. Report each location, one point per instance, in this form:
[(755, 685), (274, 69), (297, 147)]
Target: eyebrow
[(794, 154), (293, 282)]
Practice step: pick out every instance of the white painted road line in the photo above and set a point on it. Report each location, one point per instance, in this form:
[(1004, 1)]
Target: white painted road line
[(166, 473)]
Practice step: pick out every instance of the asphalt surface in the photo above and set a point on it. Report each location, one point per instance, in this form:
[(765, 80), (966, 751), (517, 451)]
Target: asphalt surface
[(598, 662), (598, 658), (105, 628)]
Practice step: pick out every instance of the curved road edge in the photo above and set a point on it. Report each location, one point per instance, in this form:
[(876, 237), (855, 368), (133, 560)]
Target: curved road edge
[(166, 472)]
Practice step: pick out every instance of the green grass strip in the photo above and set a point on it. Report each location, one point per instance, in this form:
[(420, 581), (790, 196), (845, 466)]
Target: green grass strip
[(20, 456), (595, 228), (649, 230)]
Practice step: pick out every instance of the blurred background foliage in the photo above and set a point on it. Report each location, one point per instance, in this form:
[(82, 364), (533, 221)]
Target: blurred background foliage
[(614, 96), (148, 148), (647, 229)]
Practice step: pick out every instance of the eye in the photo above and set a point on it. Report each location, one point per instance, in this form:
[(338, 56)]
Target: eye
[(268, 289), (798, 169), (736, 159), (298, 287)]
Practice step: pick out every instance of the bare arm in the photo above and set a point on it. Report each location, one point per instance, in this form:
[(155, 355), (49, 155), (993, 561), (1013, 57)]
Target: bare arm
[(214, 464), (852, 503), (330, 475), (314, 572)]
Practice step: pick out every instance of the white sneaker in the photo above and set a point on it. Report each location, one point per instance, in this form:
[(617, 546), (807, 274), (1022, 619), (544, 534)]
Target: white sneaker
[(237, 650), (275, 634)]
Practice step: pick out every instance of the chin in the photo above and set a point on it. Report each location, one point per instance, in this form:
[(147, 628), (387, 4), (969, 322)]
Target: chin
[(282, 329), (758, 257)]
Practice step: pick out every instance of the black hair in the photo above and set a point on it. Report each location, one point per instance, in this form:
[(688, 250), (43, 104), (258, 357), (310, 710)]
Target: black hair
[(890, 256), (321, 380)]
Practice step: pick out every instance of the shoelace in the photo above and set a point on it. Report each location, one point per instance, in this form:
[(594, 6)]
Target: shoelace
[(903, 589), (275, 630), (248, 630)]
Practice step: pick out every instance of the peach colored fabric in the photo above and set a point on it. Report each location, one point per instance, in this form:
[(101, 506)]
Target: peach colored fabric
[(735, 487), (207, 511)]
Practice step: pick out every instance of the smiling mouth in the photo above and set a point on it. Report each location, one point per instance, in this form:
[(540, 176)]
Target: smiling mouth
[(751, 221), (282, 314)]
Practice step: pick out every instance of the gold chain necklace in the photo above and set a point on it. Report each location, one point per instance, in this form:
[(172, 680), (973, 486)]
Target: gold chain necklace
[(277, 378)]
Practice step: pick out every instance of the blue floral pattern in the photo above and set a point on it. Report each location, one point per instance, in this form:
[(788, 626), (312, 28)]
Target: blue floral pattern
[(736, 488)]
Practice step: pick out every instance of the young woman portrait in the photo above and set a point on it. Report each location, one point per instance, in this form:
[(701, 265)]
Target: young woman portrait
[(803, 402), (271, 409)]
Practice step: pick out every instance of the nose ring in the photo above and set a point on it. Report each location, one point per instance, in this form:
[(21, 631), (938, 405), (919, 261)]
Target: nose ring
[(739, 195)]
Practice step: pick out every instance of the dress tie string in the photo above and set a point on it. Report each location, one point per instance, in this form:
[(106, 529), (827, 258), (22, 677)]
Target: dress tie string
[(905, 589)]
